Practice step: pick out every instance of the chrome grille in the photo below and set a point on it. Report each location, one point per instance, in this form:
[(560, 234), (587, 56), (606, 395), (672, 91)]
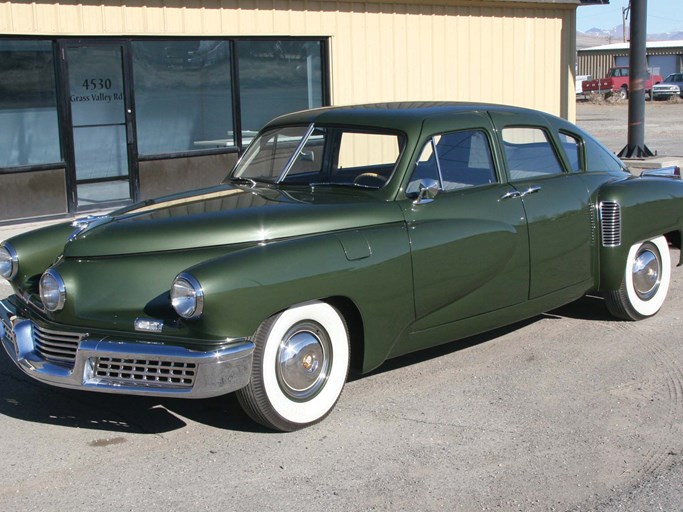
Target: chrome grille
[(56, 346), (9, 334), (148, 372), (592, 215), (610, 223)]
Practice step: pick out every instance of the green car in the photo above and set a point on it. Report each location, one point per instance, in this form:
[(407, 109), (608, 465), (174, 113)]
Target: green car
[(342, 238)]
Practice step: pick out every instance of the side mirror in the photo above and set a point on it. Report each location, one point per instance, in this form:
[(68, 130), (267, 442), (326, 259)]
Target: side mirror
[(427, 190)]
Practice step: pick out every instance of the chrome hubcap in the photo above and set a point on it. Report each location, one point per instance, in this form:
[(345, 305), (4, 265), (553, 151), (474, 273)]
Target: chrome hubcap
[(647, 271), (303, 360)]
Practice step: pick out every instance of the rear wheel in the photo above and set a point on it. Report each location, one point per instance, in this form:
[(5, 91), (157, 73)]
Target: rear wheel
[(646, 281), (300, 365)]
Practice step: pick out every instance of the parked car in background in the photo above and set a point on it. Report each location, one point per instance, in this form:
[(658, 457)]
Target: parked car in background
[(671, 87), (343, 237), (617, 82), (578, 82)]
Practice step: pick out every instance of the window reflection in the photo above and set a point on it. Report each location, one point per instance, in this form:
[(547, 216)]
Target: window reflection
[(277, 77), (183, 95), (29, 133)]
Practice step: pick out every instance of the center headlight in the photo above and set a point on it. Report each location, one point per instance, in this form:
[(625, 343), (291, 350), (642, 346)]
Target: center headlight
[(187, 296), (52, 290), (8, 261)]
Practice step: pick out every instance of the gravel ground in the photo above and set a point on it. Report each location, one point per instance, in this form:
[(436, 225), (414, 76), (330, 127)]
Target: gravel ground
[(571, 410), (608, 122)]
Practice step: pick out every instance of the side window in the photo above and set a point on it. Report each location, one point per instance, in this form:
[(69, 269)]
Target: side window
[(599, 158), (529, 153), (465, 159), (367, 150), (456, 160), (572, 148)]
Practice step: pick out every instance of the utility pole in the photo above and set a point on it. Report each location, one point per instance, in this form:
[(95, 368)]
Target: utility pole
[(624, 17), (638, 73)]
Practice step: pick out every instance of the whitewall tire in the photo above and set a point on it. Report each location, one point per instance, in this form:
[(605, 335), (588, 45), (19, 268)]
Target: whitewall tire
[(646, 281), (300, 365)]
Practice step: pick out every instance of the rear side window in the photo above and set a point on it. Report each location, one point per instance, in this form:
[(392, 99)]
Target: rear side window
[(572, 148), (599, 158), (529, 153)]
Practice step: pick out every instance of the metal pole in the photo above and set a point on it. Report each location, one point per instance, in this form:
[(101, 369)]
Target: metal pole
[(638, 74)]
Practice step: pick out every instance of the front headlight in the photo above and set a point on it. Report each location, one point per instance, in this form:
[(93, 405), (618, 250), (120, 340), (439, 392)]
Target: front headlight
[(187, 296), (52, 290), (9, 261)]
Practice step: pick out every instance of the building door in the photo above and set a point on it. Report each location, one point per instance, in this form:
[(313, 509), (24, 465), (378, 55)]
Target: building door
[(103, 162)]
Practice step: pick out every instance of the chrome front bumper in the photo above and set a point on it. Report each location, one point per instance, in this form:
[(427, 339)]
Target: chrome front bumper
[(110, 366)]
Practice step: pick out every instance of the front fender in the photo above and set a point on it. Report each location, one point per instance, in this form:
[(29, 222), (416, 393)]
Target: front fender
[(370, 267), (649, 207)]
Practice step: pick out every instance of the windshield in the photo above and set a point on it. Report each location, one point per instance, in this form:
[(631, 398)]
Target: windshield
[(321, 155)]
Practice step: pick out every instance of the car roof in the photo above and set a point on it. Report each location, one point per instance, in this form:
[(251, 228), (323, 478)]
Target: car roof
[(401, 116)]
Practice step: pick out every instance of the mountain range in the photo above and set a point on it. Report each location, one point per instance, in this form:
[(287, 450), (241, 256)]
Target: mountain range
[(601, 36)]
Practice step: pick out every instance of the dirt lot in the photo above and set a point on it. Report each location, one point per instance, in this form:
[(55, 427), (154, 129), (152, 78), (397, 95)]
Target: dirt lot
[(571, 410), (609, 121)]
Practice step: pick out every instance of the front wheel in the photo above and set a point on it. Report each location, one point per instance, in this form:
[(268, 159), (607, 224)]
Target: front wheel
[(646, 281), (623, 93), (300, 364)]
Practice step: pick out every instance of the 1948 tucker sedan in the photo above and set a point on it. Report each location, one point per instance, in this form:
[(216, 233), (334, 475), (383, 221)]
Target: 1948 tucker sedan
[(343, 237)]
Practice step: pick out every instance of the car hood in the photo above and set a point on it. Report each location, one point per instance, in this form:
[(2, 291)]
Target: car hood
[(225, 215)]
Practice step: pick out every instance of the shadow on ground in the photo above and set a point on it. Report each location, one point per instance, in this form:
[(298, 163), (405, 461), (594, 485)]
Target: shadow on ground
[(25, 399)]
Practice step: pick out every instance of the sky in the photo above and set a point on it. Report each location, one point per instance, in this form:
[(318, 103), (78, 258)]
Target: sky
[(662, 16)]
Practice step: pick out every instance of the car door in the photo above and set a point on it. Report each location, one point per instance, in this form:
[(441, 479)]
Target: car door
[(469, 246), (556, 203)]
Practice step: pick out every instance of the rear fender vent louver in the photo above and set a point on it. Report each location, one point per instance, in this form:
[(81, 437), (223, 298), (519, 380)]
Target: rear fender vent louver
[(610, 223)]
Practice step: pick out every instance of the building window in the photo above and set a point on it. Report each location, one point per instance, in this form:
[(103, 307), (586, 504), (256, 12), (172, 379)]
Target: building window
[(29, 126), (183, 96), (277, 77)]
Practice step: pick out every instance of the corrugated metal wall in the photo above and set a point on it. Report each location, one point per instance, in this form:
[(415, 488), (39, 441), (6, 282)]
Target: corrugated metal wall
[(598, 62), (521, 54)]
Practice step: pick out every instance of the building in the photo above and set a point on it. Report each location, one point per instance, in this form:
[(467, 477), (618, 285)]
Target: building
[(663, 57), (106, 102)]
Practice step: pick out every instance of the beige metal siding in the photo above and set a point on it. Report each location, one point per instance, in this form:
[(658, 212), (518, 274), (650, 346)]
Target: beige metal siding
[(515, 53)]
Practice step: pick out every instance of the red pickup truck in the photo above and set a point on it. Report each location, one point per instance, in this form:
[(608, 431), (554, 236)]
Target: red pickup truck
[(616, 82)]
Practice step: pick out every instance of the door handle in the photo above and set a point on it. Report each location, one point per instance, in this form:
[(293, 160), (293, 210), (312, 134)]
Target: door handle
[(510, 195), (530, 190)]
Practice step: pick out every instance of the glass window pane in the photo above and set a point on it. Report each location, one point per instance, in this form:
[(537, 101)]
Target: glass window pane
[(269, 154), (529, 153), (277, 77), (599, 158), (29, 130), (465, 159), (107, 158), (183, 95), (572, 149)]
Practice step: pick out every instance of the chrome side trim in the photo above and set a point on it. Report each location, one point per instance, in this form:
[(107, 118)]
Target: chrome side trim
[(137, 367), (610, 223)]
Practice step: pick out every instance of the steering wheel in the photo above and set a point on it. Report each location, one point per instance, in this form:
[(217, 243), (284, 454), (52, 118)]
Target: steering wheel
[(369, 175)]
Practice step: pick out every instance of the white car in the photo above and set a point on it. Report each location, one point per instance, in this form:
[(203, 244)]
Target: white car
[(670, 87)]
